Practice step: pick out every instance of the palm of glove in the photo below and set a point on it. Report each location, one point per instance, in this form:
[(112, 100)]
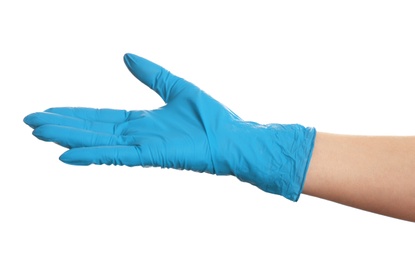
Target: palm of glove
[(176, 135)]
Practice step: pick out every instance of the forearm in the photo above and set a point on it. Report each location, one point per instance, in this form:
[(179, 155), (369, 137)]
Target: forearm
[(375, 173)]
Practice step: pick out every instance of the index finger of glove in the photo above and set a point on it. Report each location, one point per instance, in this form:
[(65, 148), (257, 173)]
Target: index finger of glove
[(38, 119), (92, 114)]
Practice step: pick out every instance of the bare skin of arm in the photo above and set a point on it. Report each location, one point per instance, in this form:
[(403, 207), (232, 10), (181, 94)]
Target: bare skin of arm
[(372, 173)]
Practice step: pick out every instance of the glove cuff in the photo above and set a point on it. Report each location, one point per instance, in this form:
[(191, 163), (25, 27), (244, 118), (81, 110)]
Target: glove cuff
[(294, 146), (302, 161)]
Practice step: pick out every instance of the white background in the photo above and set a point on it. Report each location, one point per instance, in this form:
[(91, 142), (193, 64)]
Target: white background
[(341, 67)]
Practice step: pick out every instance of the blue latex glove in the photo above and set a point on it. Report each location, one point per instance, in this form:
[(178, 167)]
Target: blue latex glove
[(192, 131)]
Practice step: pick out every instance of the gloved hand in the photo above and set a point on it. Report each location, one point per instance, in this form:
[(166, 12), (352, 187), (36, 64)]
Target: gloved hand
[(192, 131)]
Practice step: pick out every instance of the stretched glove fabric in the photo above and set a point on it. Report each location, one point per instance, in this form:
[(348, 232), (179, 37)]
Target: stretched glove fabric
[(192, 131)]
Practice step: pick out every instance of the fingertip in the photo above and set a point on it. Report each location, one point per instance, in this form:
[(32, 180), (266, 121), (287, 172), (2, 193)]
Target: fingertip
[(38, 119), (28, 120), (129, 59), (154, 76), (69, 158), (34, 120), (144, 70), (64, 158), (128, 55), (41, 133)]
